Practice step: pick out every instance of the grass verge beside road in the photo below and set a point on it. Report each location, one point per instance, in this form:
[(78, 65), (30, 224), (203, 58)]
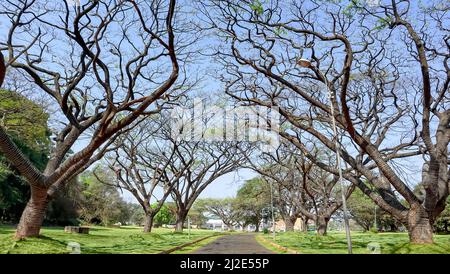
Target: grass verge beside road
[(335, 243)]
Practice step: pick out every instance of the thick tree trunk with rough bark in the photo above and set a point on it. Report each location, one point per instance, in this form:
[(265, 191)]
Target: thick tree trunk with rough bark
[(180, 219), (322, 225), (420, 229), (289, 226), (393, 228), (304, 227), (148, 223), (33, 215), (290, 223)]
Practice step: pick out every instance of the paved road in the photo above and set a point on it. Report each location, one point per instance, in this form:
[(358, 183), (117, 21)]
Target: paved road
[(234, 244)]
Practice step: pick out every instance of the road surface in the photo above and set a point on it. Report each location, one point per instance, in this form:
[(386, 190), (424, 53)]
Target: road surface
[(234, 244)]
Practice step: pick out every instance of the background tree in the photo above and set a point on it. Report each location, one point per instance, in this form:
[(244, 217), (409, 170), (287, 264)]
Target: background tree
[(198, 213), (301, 189), (100, 203), (227, 209), (64, 208), (443, 222), (364, 211), (136, 216), (252, 197), (165, 215), (26, 124), (140, 162), (200, 163)]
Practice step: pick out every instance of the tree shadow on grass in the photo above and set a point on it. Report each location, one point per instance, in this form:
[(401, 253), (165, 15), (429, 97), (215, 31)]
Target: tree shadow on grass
[(4, 232), (50, 239)]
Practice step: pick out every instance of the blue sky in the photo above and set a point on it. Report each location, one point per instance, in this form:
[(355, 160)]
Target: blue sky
[(224, 187)]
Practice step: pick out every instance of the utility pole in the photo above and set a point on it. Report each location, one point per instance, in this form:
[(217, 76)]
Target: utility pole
[(273, 214)]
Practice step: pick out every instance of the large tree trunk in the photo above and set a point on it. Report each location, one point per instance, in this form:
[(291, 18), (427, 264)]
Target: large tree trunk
[(148, 223), (257, 226), (304, 224), (33, 215), (420, 229), (2, 69), (289, 223), (181, 218), (322, 225), (393, 228)]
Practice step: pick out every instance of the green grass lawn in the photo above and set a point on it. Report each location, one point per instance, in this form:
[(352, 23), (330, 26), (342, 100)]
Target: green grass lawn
[(99, 240), (336, 243)]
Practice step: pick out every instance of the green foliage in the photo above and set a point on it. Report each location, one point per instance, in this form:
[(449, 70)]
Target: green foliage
[(252, 197), (62, 210), (443, 222), (26, 124), (24, 120), (280, 31), (197, 213), (257, 7), (353, 7), (165, 216), (382, 23), (132, 214), (100, 240), (362, 210), (14, 193), (229, 210), (100, 202)]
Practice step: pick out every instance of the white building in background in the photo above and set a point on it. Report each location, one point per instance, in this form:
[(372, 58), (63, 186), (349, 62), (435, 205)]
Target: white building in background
[(215, 224)]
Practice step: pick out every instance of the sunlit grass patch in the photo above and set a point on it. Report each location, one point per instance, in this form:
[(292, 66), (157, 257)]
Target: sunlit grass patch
[(336, 243), (129, 240)]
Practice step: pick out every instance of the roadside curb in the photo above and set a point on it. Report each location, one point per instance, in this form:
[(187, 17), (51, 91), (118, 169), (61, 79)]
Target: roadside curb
[(168, 251), (288, 250)]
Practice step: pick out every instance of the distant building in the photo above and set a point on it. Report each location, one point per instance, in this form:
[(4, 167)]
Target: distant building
[(216, 224)]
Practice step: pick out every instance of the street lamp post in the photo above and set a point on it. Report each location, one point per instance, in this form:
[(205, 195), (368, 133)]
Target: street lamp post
[(307, 64), (375, 225), (273, 214)]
